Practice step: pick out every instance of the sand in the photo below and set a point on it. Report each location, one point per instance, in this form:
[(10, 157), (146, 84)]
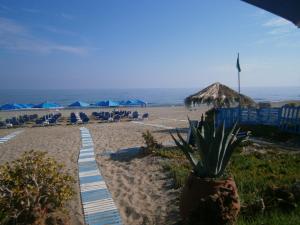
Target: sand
[(141, 189), (60, 142)]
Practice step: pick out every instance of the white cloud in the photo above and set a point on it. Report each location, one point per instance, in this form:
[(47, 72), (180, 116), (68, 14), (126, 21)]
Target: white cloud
[(16, 37), (276, 22), (7, 26), (279, 33)]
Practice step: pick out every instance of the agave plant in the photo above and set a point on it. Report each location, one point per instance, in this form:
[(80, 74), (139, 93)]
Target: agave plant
[(214, 146)]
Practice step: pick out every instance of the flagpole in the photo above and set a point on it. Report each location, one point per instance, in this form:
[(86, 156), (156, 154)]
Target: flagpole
[(239, 87), (239, 83)]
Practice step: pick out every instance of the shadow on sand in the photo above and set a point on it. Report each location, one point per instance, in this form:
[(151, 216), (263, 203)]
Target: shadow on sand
[(181, 130), (126, 154)]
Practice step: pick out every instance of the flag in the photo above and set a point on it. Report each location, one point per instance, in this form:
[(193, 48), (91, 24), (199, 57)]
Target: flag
[(238, 63)]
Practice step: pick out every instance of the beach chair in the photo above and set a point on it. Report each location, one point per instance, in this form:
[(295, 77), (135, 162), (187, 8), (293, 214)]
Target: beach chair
[(73, 118), (135, 115), (2, 124), (15, 121), (85, 120), (117, 118), (33, 117), (105, 118), (52, 121), (84, 117), (145, 116), (38, 122), (25, 118)]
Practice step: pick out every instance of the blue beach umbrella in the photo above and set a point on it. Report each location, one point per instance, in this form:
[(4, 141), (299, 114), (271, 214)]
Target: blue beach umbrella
[(108, 103), (135, 102), (26, 106), (122, 103), (129, 103), (29, 105), (11, 106), (101, 103), (47, 105), (79, 104), (139, 102)]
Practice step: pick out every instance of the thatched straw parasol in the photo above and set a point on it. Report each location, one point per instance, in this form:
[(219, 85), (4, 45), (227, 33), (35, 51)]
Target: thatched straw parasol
[(218, 95)]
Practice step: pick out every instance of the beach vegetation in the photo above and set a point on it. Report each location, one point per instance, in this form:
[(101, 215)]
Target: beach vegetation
[(214, 147), (268, 183), (208, 194), (33, 187), (151, 144)]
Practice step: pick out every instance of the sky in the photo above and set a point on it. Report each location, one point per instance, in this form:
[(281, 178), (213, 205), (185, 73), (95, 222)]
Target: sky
[(95, 44)]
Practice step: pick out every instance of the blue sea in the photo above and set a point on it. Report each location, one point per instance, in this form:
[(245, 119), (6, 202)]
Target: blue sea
[(154, 96)]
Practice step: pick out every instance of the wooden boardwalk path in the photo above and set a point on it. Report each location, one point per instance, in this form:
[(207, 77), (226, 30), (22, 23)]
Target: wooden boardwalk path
[(98, 205), (10, 136)]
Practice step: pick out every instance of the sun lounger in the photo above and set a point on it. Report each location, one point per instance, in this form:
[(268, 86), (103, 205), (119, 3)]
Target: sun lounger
[(145, 116), (117, 118), (135, 115)]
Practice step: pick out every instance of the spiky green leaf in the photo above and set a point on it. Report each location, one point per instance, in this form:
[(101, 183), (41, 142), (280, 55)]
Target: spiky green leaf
[(186, 151)]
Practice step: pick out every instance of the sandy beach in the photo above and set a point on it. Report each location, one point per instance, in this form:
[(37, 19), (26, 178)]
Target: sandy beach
[(141, 191)]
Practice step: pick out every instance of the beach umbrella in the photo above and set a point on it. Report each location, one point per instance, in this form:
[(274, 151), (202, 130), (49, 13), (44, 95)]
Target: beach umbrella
[(26, 106), (287, 9), (29, 105), (139, 102), (128, 103), (101, 103), (135, 102), (11, 106), (218, 95), (123, 103), (79, 104), (47, 105), (108, 103)]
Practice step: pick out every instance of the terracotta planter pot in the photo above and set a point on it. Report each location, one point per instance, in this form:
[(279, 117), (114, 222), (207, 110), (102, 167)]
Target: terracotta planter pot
[(205, 196)]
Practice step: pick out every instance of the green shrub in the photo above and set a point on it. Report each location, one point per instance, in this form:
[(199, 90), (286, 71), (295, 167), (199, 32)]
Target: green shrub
[(151, 144), (171, 153), (254, 173), (179, 171), (214, 147), (31, 187)]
